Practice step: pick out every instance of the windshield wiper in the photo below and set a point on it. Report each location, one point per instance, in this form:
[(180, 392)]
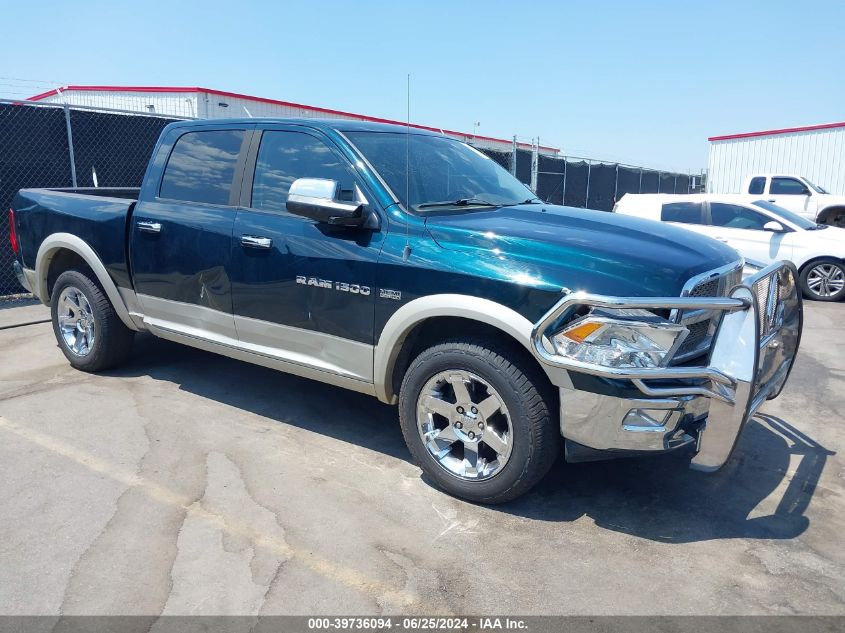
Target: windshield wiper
[(529, 201), (460, 202)]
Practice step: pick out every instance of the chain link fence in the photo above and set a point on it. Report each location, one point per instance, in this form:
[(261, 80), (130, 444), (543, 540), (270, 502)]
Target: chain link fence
[(53, 145), (48, 145), (583, 182)]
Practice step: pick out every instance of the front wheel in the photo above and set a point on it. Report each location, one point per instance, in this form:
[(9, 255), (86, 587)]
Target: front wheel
[(479, 419), (824, 280)]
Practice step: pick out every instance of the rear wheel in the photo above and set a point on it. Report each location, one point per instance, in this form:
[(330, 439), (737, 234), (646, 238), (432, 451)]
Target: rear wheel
[(479, 420), (824, 280), (88, 330)]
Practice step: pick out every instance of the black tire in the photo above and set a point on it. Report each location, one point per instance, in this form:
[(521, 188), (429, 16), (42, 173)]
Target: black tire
[(528, 397), (829, 263), (112, 341)]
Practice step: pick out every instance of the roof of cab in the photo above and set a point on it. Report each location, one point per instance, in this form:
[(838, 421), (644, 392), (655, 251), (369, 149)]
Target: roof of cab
[(773, 174), (340, 125)]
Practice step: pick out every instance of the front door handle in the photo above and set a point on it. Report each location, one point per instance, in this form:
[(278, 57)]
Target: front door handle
[(149, 227), (721, 239), (252, 241)]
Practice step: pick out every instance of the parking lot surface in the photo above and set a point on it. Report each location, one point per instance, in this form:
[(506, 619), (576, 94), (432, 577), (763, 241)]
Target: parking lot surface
[(188, 483)]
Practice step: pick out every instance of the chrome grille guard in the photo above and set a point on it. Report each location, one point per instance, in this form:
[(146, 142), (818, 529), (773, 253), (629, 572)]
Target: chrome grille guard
[(750, 357)]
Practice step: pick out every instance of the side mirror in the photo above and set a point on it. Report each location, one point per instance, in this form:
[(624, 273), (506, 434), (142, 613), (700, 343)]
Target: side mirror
[(774, 227), (317, 198)]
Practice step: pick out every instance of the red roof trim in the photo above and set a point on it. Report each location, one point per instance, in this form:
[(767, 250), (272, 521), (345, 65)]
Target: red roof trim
[(61, 89), (291, 104), (41, 95), (786, 130)]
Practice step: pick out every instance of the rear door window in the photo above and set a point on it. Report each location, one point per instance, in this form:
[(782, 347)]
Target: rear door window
[(683, 212), (201, 167), (733, 216)]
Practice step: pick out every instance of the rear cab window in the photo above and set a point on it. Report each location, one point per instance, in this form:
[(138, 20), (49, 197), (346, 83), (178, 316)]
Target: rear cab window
[(682, 212), (201, 167), (757, 185)]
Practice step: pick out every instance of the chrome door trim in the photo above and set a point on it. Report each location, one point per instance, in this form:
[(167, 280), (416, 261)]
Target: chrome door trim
[(325, 352), (238, 353), (188, 318), (293, 346)]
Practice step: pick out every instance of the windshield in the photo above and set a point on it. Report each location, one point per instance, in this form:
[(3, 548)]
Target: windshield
[(789, 216), (816, 187), (444, 172)]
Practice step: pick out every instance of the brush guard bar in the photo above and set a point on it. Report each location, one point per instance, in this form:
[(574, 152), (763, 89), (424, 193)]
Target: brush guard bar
[(751, 354)]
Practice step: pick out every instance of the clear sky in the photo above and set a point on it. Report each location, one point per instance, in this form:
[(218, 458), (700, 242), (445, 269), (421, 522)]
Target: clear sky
[(641, 82)]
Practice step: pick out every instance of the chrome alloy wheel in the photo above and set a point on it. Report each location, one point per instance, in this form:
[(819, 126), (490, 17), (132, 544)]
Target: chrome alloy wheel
[(825, 280), (464, 424), (76, 321)]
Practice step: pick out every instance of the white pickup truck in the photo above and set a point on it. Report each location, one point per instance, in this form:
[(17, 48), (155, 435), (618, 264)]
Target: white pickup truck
[(799, 195)]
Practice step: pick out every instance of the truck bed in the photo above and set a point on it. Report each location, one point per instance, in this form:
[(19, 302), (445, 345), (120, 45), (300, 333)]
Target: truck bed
[(96, 215)]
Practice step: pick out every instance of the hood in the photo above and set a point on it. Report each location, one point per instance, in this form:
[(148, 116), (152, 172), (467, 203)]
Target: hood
[(830, 236), (554, 247)]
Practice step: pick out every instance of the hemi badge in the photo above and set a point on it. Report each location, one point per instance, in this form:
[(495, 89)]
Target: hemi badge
[(385, 293)]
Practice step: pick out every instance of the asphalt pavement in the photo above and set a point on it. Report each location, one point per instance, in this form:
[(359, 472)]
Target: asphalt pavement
[(188, 483)]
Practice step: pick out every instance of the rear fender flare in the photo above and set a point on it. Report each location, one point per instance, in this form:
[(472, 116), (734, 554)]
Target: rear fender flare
[(58, 241)]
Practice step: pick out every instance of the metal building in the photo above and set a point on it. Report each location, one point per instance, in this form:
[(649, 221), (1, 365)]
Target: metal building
[(816, 152), (206, 103)]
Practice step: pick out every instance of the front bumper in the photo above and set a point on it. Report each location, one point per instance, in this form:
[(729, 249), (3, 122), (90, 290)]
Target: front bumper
[(749, 362)]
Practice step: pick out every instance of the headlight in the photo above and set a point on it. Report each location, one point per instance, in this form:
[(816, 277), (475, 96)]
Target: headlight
[(621, 339)]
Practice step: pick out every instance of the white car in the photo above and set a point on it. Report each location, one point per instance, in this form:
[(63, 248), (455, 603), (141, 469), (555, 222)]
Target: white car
[(797, 194), (759, 230)]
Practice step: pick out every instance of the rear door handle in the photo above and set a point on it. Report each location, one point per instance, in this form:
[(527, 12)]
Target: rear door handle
[(721, 239), (149, 227), (252, 241)]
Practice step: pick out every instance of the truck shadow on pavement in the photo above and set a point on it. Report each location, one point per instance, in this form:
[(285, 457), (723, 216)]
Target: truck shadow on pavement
[(762, 493)]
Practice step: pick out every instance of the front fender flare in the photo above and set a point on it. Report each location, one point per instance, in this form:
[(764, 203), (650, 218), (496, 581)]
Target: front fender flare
[(55, 242), (468, 307)]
